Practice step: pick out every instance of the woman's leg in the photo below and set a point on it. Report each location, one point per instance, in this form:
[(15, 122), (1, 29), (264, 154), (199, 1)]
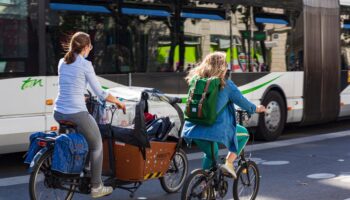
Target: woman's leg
[(231, 157), (242, 139), (206, 147), (88, 127)]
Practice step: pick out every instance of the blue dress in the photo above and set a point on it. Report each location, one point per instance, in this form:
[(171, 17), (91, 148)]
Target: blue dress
[(224, 129)]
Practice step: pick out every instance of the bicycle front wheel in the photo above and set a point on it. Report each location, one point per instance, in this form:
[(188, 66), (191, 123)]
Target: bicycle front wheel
[(44, 184), (197, 186), (246, 186), (173, 180)]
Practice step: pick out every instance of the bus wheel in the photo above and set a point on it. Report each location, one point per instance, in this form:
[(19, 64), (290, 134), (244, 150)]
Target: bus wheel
[(271, 123)]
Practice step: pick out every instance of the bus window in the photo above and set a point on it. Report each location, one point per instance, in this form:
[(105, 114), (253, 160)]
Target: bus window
[(16, 31), (131, 43), (194, 40), (101, 28), (146, 42), (345, 42), (271, 40), (207, 27)]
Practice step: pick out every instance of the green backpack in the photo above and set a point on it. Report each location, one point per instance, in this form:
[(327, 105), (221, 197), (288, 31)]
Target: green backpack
[(201, 100)]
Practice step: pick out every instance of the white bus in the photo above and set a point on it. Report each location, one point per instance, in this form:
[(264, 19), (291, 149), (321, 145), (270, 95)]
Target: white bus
[(292, 56)]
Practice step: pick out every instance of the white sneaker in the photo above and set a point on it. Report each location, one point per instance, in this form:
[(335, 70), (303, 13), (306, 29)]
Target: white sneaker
[(228, 167), (101, 191)]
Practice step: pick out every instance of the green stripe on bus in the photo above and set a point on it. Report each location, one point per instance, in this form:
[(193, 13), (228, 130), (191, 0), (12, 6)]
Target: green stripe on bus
[(184, 99), (258, 86)]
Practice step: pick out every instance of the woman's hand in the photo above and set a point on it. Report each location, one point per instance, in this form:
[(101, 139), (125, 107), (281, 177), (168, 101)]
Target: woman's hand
[(260, 109), (121, 106)]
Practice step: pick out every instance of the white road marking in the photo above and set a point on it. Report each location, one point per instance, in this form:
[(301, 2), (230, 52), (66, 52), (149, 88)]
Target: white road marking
[(277, 144), (275, 162), (257, 160), (16, 180), (345, 178), (321, 176), (341, 160)]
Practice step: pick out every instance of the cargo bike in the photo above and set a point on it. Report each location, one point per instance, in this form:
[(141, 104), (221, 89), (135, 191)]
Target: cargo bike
[(130, 157)]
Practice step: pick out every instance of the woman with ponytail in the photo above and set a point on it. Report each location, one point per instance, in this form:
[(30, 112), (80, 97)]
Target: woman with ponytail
[(74, 73)]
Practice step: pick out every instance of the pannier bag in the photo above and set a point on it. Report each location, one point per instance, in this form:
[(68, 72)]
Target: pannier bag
[(201, 101), (70, 153), (34, 147)]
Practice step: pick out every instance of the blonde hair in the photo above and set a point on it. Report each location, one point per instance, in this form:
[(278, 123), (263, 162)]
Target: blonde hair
[(213, 65)]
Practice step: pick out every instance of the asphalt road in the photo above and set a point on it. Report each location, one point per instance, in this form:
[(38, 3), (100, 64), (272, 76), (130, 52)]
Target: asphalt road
[(307, 163)]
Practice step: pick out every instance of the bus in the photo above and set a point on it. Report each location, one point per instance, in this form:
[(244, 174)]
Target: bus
[(291, 56)]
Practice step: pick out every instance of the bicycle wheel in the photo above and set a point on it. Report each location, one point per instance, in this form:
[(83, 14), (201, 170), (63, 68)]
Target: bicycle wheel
[(43, 184), (197, 186), (246, 186), (173, 180)]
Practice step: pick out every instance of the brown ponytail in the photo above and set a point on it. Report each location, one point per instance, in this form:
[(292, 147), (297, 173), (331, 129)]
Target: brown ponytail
[(77, 43)]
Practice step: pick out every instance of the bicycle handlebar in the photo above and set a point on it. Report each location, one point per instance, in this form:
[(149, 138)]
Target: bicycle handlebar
[(241, 114)]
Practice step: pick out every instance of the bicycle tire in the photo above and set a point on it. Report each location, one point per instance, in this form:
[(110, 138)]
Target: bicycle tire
[(202, 175), (164, 181), (46, 157), (242, 173)]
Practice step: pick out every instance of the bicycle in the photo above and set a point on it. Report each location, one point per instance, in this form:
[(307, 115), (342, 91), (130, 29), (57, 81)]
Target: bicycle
[(213, 183), (45, 183)]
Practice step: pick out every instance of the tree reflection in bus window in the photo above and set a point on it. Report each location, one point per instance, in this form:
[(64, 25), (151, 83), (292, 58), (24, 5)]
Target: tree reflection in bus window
[(144, 44), (102, 31), (274, 47)]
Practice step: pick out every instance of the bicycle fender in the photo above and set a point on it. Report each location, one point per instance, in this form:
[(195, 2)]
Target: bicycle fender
[(36, 158)]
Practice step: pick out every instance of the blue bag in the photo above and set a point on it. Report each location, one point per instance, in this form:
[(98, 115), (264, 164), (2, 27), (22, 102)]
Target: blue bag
[(69, 153), (34, 148)]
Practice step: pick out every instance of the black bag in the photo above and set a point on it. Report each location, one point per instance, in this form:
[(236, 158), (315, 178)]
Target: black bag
[(159, 129)]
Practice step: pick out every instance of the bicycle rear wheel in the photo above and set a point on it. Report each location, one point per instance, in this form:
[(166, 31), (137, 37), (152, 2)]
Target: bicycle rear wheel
[(43, 184), (246, 186), (197, 186)]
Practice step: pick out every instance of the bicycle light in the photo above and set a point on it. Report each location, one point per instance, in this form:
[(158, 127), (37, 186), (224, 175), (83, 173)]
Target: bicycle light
[(42, 143)]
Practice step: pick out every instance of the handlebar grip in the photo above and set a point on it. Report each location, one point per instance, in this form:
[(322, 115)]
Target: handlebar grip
[(173, 100)]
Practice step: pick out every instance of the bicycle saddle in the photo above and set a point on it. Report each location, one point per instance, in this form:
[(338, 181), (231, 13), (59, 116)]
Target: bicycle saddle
[(66, 125)]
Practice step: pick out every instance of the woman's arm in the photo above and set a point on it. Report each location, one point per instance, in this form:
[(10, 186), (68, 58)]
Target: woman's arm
[(120, 105), (237, 98), (96, 87)]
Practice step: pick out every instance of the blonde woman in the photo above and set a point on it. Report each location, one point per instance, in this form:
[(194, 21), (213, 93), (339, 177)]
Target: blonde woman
[(224, 129)]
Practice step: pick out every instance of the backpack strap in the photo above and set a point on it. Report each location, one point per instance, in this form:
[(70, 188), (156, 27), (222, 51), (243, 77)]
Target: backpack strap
[(200, 105), (189, 100)]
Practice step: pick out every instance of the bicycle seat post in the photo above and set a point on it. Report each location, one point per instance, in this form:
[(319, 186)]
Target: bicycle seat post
[(66, 127)]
